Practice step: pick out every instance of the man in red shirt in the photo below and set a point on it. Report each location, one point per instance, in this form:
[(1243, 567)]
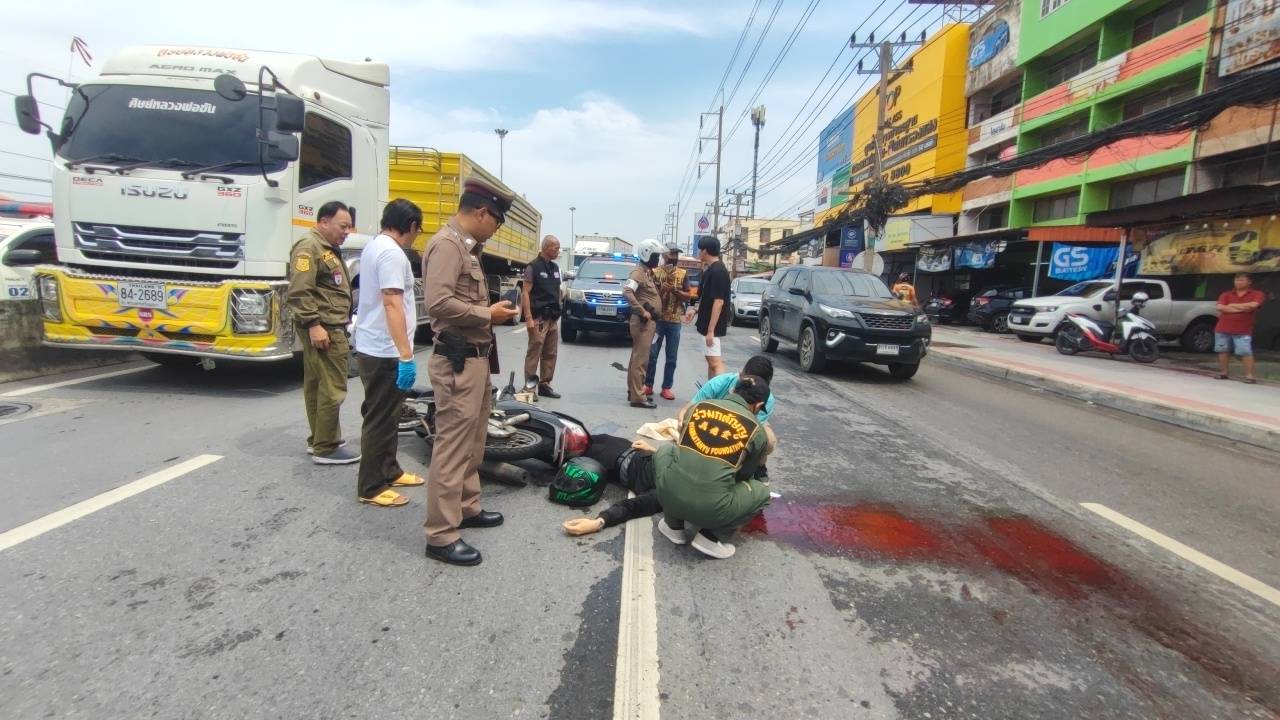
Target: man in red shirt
[(1234, 333)]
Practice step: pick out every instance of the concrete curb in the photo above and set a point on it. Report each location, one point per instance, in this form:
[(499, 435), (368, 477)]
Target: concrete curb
[(1198, 420)]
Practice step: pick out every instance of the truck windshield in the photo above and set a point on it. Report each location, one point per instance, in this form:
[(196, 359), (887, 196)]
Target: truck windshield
[(600, 270), (158, 124), (1084, 289)]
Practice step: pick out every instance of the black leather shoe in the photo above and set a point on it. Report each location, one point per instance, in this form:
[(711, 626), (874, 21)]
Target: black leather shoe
[(546, 390), (648, 404), (482, 519), (457, 552)]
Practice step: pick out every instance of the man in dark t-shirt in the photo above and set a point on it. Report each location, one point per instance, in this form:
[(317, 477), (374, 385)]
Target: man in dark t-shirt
[(713, 304), (1234, 332)]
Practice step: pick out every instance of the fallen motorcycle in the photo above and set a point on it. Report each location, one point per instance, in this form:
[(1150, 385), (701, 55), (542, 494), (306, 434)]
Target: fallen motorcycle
[(516, 430)]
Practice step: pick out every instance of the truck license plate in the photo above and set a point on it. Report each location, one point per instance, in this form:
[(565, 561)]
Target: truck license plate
[(141, 295), (607, 310), (886, 349), (1018, 320)]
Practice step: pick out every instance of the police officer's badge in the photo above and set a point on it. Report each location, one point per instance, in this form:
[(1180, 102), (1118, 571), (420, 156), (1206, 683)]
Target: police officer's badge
[(302, 263)]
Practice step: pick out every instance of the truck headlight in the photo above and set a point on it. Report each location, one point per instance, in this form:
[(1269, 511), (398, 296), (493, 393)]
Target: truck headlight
[(250, 311), (1051, 308), (47, 286), (577, 295), (922, 319), (835, 312)]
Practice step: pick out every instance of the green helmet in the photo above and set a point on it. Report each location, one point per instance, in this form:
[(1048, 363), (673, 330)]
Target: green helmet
[(579, 482)]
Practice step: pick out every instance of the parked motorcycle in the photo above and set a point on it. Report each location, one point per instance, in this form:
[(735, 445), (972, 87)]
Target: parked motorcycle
[(1137, 335), (516, 430)]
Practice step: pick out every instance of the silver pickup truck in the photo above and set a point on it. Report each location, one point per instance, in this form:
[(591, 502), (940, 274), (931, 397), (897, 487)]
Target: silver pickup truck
[(1190, 322)]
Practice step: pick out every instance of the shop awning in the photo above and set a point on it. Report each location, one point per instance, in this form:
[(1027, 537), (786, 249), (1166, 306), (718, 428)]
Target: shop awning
[(1220, 203), (1007, 234), (1074, 234)]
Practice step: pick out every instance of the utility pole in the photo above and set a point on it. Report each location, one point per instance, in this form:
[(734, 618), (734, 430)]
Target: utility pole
[(737, 242), (702, 121), (757, 119), (889, 73), (502, 138), (675, 229), (573, 239)]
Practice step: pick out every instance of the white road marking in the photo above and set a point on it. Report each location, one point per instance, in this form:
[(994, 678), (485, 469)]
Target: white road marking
[(635, 688), (54, 520), (1226, 572), (88, 378)]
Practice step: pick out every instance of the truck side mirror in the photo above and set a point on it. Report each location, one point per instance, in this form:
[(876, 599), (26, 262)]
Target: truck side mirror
[(28, 112), (290, 113), (282, 147), (23, 258)]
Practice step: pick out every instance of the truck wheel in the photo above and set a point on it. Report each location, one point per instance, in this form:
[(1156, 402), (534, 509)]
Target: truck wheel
[(567, 332), (1198, 337), (767, 343), (903, 371), (812, 357)]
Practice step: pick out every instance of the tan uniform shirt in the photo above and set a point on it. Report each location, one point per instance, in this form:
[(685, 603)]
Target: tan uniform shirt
[(456, 293), (642, 290), (319, 289)]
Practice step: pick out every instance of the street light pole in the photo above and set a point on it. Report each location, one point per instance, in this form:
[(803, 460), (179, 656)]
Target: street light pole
[(502, 137)]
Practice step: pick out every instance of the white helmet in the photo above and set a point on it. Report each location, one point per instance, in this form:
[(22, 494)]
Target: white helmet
[(650, 251)]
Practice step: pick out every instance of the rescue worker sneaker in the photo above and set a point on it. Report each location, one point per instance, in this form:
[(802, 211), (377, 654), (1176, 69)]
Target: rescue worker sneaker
[(672, 534), (312, 451), (340, 456), (667, 394), (708, 544)]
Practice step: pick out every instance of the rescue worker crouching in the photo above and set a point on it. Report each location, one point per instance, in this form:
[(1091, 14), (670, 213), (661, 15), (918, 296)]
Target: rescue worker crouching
[(457, 300)]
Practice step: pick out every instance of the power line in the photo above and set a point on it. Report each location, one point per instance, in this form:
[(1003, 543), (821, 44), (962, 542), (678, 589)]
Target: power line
[(782, 54), (742, 37), (759, 41)]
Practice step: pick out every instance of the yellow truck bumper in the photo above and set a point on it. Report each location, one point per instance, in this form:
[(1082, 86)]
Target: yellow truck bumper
[(200, 319)]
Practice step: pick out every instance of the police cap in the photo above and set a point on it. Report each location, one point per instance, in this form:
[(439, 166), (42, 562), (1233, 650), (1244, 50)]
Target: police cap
[(488, 195)]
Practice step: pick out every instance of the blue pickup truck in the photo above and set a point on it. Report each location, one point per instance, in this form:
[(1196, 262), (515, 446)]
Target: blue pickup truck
[(593, 300)]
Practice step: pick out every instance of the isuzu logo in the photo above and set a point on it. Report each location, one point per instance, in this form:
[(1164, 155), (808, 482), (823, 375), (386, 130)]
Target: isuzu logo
[(153, 192)]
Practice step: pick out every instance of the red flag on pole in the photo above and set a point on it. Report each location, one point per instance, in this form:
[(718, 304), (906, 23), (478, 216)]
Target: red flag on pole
[(81, 48)]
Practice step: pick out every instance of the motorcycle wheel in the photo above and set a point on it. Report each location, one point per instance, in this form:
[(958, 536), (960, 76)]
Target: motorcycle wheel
[(522, 445), (1068, 340), (1144, 349)]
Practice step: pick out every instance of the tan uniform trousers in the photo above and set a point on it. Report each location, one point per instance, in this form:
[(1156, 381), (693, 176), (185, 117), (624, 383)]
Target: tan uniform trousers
[(462, 415), (544, 346), (641, 338), (324, 387)]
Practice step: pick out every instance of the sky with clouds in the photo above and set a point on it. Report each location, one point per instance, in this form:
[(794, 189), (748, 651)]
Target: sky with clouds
[(602, 99)]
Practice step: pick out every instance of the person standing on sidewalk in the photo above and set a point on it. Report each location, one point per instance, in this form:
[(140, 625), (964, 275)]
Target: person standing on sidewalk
[(1237, 308), (384, 353), (673, 288), (641, 292), (541, 303), (320, 301), (460, 365), (713, 304), (904, 290)]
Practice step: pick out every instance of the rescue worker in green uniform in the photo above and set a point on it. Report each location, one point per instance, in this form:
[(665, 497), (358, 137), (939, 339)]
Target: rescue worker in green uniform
[(320, 301)]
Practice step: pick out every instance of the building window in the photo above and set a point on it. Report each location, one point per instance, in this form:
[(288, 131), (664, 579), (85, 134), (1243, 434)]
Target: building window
[(993, 218), (1257, 169), (326, 152), (1056, 207), (1005, 99), (1149, 189), (1163, 19), (1048, 6), (1071, 65), (1066, 131), (766, 234), (1159, 99)]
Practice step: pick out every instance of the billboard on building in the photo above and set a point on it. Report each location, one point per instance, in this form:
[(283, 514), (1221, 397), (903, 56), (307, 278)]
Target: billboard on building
[(926, 116), (993, 46), (1250, 35), (902, 232), (1247, 245), (835, 150)]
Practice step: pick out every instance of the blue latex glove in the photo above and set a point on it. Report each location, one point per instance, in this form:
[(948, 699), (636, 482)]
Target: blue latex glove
[(406, 373)]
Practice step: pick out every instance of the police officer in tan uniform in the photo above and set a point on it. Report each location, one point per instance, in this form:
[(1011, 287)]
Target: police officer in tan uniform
[(458, 305), (320, 300), (641, 292)]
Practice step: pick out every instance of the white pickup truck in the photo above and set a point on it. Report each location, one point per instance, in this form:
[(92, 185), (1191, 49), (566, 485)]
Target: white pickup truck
[(1190, 322)]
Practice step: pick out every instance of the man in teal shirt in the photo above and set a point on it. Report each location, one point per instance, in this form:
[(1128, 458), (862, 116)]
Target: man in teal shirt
[(721, 386)]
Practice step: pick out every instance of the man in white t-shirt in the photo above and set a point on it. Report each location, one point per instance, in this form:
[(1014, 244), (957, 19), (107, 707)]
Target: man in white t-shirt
[(384, 352)]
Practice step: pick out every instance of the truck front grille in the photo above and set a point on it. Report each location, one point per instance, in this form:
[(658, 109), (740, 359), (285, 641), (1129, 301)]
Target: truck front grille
[(604, 297), (887, 322), (159, 246)]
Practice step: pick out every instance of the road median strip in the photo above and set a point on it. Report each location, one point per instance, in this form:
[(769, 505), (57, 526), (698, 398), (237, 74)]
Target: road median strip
[(1207, 418)]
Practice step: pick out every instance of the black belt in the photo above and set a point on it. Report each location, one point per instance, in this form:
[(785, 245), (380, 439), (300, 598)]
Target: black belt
[(468, 351)]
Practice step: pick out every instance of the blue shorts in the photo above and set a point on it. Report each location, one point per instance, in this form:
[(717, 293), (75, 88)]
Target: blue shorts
[(1241, 345)]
